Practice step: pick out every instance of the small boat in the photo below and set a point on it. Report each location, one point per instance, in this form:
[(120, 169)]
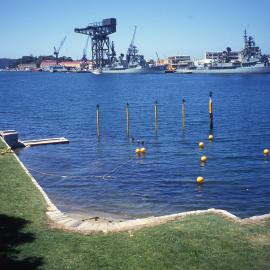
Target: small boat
[(57, 68), (169, 71), (184, 71), (97, 71)]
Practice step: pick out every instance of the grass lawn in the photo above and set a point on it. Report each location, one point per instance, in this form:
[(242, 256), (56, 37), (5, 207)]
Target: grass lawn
[(195, 242)]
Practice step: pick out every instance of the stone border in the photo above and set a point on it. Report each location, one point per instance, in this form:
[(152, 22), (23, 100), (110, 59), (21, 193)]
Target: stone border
[(89, 226)]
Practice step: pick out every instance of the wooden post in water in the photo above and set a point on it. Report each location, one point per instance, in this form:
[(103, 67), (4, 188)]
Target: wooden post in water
[(156, 116), (127, 119), (98, 122), (183, 112), (211, 110)]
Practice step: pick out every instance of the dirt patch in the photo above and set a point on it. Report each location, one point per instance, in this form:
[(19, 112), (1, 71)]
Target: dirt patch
[(260, 239)]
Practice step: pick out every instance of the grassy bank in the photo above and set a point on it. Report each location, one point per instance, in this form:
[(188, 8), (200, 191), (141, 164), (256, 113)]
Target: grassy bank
[(196, 242)]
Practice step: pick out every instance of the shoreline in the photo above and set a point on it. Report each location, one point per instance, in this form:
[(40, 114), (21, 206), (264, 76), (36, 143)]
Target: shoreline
[(95, 215), (106, 223)]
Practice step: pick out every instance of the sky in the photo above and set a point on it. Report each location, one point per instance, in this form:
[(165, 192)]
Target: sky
[(175, 27)]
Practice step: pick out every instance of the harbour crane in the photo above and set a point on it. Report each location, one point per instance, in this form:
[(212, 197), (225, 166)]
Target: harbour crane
[(158, 59), (132, 50), (56, 52), (99, 33), (133, 38)]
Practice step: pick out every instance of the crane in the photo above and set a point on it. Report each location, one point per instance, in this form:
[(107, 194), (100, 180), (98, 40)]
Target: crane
[(158, 59), (99, 33), (56, 52), (133, 38), (131, 52)]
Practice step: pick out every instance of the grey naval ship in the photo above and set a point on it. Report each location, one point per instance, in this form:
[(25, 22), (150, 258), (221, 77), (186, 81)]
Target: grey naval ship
[(249, 60), (133, 62)]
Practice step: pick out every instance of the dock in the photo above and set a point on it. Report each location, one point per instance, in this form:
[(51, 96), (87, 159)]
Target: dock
[(12, 139), (45, 141)]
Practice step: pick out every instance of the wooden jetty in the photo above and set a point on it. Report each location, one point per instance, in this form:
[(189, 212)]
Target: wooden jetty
[(11, 138), (45, 141)]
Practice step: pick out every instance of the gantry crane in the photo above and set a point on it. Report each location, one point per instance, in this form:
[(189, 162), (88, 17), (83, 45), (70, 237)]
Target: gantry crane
[(99, 33)]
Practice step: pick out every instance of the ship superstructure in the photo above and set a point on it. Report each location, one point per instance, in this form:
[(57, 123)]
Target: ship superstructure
[(249, 60)]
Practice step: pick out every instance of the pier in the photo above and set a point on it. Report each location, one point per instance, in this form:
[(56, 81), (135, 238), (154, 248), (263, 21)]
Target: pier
[(45, 141), (12, 139)]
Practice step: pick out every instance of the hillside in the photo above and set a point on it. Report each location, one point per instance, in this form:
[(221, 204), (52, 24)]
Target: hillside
[(4, 62)]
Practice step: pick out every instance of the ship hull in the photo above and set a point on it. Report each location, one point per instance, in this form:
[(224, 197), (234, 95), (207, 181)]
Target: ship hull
[(239, 70), (134, 71)]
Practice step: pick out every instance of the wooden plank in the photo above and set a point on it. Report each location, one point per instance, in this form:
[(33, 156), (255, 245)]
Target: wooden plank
[(45, 141)]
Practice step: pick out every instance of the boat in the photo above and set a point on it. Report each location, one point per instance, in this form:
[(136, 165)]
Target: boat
[(135, 69), (248, 60), (183, 71), (132, 63), (97, 71), (57, 68), (170, 69)]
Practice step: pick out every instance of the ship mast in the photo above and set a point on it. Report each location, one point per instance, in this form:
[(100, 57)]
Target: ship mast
[(245, 38)]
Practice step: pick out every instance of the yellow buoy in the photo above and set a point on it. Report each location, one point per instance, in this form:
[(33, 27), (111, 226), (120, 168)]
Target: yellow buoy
[(210, 137), (138, 150), (200, 179), (203, 158), (266, 152), (142, 150), (201, 145)]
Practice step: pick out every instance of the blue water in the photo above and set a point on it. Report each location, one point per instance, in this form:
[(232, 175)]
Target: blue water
[(106, 176)]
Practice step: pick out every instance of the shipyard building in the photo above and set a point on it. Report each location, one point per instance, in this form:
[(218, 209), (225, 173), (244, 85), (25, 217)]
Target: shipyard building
[(180, 61)]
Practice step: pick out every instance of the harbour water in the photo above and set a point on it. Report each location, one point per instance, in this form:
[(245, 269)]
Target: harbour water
[(106, 176)]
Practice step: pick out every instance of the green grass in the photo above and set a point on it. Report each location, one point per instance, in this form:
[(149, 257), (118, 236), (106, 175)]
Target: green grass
[(196, 242)]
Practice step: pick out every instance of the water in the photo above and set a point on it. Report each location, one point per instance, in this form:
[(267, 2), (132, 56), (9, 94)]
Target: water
[(106, 176)]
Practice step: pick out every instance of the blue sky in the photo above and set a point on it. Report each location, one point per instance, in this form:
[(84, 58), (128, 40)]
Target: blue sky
[(169, 27)]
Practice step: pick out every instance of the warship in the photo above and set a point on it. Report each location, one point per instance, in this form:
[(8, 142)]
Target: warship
[(133, 62), (249, 60)]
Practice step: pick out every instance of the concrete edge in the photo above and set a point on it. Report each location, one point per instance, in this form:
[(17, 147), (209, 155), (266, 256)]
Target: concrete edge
[(62, 221)]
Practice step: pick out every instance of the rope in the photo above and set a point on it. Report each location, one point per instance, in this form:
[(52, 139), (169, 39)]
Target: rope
[(57, 175), (106, 176)]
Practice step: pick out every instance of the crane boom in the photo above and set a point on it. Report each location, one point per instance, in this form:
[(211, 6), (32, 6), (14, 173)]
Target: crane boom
[(158, 60), (133, 38), (132, 48), (61, 44), (56, 52)]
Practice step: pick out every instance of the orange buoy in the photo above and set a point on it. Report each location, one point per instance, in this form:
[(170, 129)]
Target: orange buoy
[(143, 150), (203, 158), (201, 145), (200, 180)]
